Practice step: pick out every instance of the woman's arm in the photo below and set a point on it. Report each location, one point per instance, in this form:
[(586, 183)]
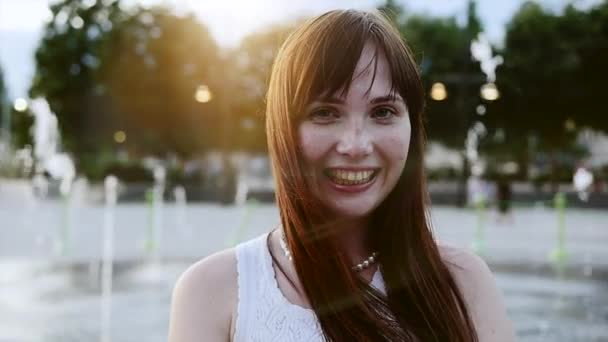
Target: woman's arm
[(483, 298), (203, 300)]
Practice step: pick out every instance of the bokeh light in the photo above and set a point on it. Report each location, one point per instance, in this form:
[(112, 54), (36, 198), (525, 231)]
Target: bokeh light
[(438, 92), (489, 92), (203, 94), (569, 125), (120, 137), (20, 105), (77, 23)]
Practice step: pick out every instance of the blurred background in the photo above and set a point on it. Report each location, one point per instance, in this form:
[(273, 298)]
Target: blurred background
[(132, 143)]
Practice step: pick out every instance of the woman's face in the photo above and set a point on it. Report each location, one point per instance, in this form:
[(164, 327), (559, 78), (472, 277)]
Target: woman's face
[(356, 145)]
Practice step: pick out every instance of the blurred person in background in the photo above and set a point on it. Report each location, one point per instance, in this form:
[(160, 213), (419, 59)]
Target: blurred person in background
[(582, 179), (503, 199), (353, 258)]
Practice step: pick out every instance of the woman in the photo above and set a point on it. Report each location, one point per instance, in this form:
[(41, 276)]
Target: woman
[(353, 258)]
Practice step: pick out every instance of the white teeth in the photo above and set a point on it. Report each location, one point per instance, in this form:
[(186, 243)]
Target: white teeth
[(350, 177)]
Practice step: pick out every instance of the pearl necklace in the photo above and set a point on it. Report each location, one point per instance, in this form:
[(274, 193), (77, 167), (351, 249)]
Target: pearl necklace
[(358, 267)]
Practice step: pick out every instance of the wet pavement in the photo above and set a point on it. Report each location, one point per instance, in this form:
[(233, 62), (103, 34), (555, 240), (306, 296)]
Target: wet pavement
[(46, 295), (53, 305), (523, 242)]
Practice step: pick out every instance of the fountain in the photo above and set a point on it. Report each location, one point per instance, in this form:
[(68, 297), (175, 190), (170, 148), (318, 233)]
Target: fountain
[(476, 186), (481, 51), (59, 166), (107, 261), (179, 193), (250, 208), (244, 180), (154, 198), (242, 187), (582, 181), (559, 254)]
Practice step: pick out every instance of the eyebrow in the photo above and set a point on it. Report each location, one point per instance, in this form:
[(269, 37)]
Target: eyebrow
[(387, 98), (376, 100)]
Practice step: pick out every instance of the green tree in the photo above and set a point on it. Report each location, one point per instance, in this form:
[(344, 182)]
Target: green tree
[(67, 61), (588, 31), (534, 79), (128, 81), (251, 64), (392, 10), (21, 128), (155, 64), (3, 105), (442, 49), (552, 79), (13, 123), (473, 26)]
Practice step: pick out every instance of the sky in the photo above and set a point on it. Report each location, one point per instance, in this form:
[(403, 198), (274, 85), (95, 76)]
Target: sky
[(21, 22)]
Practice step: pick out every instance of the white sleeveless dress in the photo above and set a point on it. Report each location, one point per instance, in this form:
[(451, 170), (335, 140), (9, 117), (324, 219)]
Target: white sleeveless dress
[(263, 312)]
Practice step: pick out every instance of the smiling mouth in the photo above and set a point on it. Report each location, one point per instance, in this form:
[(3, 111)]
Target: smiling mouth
[(347, 177)]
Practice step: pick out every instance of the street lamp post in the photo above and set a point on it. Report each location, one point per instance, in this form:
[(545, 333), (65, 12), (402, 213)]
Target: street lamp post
[(226, 184), (481, 51), (462, 82)]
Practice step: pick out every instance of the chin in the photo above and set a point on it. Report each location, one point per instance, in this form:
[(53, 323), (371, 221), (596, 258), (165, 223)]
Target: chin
[(352, 212)]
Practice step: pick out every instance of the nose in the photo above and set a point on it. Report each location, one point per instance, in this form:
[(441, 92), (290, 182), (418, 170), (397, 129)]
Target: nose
[(354, 141)]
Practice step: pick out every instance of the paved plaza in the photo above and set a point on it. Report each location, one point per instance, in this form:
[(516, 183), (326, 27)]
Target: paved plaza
[(526, 240), (50, 294)]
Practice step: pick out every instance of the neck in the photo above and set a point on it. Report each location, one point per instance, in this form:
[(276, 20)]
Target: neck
[(351, 238)]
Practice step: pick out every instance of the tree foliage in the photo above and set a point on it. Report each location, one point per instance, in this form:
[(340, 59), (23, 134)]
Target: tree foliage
[(392, 10), (106, 69), (19, 124), (251, 65), (3, 101), (552, 77), (22, 124), (551, 82), (442, 49), (67, 61), (156, 63)]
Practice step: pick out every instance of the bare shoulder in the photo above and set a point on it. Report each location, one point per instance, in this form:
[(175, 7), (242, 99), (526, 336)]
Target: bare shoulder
[(481, 294), (203, 299), (469, 270), (462, 261)]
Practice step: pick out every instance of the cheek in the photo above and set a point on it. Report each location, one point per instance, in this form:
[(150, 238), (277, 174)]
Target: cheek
[(396, 145), (399, 148), (314, 142)]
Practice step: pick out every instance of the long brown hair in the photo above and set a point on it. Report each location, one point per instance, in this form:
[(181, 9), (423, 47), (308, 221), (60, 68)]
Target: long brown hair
[(423, 301)]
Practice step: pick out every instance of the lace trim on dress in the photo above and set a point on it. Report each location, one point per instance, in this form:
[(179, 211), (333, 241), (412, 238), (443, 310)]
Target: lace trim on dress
[(263, 312)]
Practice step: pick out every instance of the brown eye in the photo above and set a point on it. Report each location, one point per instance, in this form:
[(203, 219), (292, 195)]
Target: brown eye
[(323, 115), (384, 113)]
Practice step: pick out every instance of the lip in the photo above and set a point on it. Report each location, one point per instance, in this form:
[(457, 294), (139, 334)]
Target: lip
[(354, 188), (353, 169)]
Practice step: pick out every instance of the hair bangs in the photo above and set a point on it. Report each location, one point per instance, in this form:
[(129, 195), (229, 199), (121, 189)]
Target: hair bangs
[(332, 61), (405, 77)]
